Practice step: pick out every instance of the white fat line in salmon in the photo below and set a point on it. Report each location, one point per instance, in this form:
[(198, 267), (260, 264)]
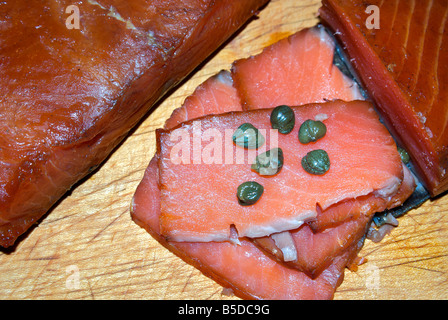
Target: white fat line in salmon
[(213, 146)]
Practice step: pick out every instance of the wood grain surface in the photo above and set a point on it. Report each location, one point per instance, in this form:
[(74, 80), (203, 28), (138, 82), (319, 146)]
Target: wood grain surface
[(88, 247)]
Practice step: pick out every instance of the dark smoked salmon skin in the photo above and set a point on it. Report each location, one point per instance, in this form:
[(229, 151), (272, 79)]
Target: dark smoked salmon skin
[(403, 65), (70, 96)]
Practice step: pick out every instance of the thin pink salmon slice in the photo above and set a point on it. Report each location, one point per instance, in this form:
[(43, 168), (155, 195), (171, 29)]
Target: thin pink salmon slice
[(215, 95), (198, 196), (294, 71)]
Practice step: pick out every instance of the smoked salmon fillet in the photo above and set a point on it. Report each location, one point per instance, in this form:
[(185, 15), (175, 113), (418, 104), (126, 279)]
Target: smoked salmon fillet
[(327, 244), (403, 64), (69, 95), (217, 259)]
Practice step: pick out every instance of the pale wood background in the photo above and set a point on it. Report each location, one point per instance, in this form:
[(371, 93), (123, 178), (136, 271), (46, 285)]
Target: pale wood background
[(91, 232)]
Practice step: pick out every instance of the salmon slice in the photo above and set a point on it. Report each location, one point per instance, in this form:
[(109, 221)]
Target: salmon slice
[(403, 64), (270, 73), (219, 90), (243, 268), (364, 160), (208, 98), (294, 71)]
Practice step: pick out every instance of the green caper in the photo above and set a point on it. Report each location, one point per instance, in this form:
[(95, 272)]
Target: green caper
[(283, 119), (404, 155), (311, 131), (316, 162), (269, 163), (249, 192), (247, 136)]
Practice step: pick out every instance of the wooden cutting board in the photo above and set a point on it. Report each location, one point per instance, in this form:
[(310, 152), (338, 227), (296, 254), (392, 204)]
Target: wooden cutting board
[(89, 248)]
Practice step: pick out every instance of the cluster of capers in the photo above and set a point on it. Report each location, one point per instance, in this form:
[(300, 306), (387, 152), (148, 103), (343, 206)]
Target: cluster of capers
[(270, 162), (316, 161), (267, 163)]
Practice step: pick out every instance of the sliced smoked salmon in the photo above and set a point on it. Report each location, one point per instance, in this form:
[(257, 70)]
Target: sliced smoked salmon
[(312, 252), (365, 205), (216, 259), (189, 199), (403, 65), (243, 268)]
